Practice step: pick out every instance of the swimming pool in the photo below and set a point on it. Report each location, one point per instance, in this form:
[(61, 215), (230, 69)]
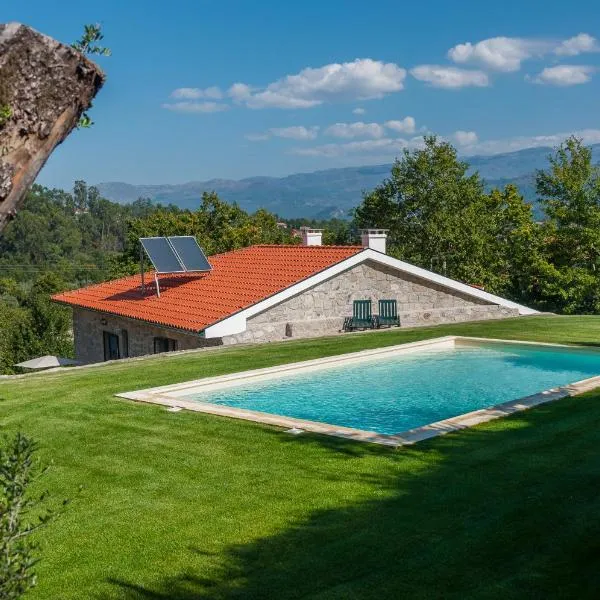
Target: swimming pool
[(390, 391)]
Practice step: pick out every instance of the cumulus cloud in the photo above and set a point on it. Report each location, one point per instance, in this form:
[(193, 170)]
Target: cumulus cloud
[(239, 92), (499, 53), (577, 45), (465, 138), (195, 107), (382, 147), (467, 141), (507, 53), (589, 136), (354, 130), (359, 111), (449, 77), (361, 79), (295, 132), (564, 75), (257, 137), (406, 125), (213, 92)]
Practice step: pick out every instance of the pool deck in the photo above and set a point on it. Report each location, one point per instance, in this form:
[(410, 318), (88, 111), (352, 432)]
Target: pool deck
[(171, 396)]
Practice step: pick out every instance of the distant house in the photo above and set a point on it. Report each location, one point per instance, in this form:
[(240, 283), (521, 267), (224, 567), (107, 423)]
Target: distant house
[(267, 293)]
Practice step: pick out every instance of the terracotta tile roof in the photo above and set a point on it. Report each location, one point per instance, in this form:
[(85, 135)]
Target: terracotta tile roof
[(238, 280)]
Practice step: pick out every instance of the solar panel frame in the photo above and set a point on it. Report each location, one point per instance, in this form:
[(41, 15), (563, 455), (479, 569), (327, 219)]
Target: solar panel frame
[(189, 253), (162, 255)]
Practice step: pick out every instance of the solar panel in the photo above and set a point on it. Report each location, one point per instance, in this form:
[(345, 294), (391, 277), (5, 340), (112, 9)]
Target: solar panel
[(162, 255), (189, 253)]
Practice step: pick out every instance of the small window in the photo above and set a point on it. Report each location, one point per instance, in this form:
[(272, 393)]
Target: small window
[(111, 346), (162, 344)]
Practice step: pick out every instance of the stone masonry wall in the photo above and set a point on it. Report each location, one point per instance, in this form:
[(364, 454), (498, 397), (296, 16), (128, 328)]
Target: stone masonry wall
[(317, 311), (89, 339), (321, 310)]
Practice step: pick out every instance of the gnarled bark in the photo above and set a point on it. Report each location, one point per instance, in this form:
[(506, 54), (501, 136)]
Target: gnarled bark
[(44, 88)]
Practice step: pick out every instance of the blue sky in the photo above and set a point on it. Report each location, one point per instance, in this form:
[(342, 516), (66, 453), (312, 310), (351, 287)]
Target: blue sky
[(231, 89)]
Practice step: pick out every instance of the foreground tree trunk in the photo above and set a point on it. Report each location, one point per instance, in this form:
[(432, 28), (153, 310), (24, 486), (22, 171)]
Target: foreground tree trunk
[(45, 86)]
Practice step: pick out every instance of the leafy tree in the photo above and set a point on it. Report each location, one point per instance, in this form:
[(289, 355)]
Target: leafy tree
[(217, 225), (436, 213), (336, 232), (569, 191), (21, 514), (516, 252)]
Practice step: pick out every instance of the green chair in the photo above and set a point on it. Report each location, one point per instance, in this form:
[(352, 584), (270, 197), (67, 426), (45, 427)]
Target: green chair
[(388, 313), (362, 317)]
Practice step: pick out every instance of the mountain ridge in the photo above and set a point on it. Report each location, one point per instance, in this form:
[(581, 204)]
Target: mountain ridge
[(328, 192)]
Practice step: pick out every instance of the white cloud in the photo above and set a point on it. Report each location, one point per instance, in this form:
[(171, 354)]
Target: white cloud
[(337, 82), (386, 145), (257, 137), (195, 107), (564, 75), (213, 92), (465, 138), (406, 125), (384, 148), (359, 111), (589, 136), (499, 53), (239, 92), (387, 148), (577, 45), (507, 53), (354, 130), (297, 132), (449, 77)]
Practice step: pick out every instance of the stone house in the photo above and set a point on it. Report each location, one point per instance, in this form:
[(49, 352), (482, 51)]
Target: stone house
[(268, 293)]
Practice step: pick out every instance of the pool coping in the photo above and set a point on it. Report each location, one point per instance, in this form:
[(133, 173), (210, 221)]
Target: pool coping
[(169, 396)]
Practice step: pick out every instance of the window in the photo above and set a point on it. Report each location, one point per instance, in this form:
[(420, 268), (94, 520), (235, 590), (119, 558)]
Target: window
[(162, 344), (111, 346)]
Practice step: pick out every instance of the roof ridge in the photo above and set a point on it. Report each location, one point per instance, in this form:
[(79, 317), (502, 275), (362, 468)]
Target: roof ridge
[(321, 247)]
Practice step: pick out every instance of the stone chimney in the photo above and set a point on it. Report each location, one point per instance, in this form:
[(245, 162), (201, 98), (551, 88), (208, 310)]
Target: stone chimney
[(374, 239), (311, 237)]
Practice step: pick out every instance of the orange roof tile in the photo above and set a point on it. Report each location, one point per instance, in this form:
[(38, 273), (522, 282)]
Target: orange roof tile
[(238, 280)]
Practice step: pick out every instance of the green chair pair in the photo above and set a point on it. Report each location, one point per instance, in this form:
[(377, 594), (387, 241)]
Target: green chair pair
[(362, 316)]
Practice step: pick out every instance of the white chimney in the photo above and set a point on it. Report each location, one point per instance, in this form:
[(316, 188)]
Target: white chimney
[(374, 239), (311, 237)]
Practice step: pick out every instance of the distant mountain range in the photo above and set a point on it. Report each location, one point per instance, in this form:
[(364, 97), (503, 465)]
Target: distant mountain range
[(328, 193)]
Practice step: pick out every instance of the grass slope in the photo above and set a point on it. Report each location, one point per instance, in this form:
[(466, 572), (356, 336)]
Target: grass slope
[(190, 506)]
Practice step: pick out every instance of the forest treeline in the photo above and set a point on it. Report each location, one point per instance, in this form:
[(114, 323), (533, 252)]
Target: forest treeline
[(439, 217)]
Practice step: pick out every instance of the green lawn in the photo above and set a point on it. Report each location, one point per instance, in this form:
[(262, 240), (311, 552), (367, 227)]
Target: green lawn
[(190, 506)]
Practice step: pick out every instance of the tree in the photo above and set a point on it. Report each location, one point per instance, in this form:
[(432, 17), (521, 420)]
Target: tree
[(21, 514), (569, 191), (217, 225), (436, 213), (516, 253)]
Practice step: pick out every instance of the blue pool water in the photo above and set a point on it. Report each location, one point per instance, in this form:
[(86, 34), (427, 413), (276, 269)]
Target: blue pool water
[(394, 394)]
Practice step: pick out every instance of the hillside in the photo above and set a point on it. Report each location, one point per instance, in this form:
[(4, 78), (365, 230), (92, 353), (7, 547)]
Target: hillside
[(327, 193)]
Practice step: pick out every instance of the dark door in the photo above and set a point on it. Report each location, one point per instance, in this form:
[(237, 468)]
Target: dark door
[(111, 346)]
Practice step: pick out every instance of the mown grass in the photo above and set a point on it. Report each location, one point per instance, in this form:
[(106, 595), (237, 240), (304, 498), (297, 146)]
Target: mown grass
[(191, 506)]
